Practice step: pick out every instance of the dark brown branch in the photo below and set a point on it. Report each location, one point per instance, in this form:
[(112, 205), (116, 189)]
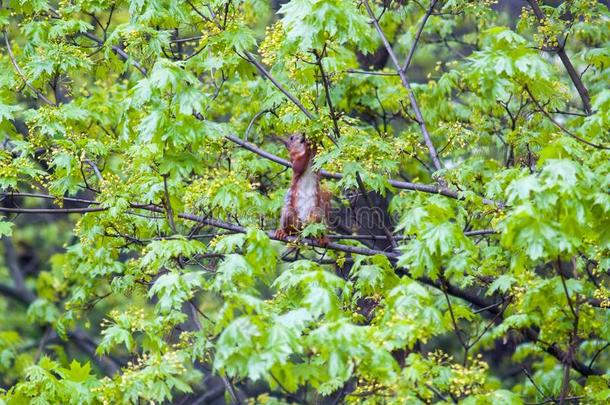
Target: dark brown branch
[(253, 120), (559, 354), (536, 386), (12, 263), (15, 294), (567, 63), (51, 210), (456, 328), (370, 72), (597, 353), (49, 197), (479, 232), (329, 100), (95, 169), (490, 324), (168, 206)]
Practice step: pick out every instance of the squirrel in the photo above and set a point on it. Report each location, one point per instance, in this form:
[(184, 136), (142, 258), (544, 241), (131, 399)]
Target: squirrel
[(306, 201)]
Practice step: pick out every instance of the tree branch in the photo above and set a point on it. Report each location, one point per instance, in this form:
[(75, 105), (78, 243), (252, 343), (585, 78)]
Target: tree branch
[(51, 210), (479, 232), (168, 206), (561, 127), (405, 82), (12, 263), (418, 35), (277, 84), (335, 120), (567, 63), (119, 51), (395, 183), (473, 298), (403, 185), (20, 72)]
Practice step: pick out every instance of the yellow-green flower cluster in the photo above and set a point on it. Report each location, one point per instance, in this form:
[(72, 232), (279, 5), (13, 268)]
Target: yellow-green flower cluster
[(469, 380), (274, 36)]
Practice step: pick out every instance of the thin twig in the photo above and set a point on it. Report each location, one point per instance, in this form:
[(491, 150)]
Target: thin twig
[(454, 322), (529, 377), (168, 206), (95, 169), (277, 84), (405, 81), (489, 325), (20, 72), (370, 72), (561, 127), (418, 35), (253, 120), (597, 353), (119, 51)]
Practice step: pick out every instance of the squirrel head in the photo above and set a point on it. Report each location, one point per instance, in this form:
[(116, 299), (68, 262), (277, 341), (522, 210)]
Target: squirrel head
[(297, 143)]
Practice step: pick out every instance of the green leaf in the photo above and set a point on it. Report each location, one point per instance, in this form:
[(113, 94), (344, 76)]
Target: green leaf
[(7, 111), (6, 228)]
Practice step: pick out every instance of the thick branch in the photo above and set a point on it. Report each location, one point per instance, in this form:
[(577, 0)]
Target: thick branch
[(559, 354), (15, 294), (479, 232), (10, 257), (51, 210), (567, 63)]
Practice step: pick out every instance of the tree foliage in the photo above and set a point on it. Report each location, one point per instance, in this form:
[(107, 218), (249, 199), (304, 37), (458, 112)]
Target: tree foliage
[(142, 177)]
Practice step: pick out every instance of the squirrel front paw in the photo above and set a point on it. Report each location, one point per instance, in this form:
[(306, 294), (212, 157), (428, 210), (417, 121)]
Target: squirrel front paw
[(280, 234), (323, 240)]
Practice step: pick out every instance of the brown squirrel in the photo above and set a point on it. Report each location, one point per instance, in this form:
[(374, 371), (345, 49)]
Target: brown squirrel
[(306, 201)]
